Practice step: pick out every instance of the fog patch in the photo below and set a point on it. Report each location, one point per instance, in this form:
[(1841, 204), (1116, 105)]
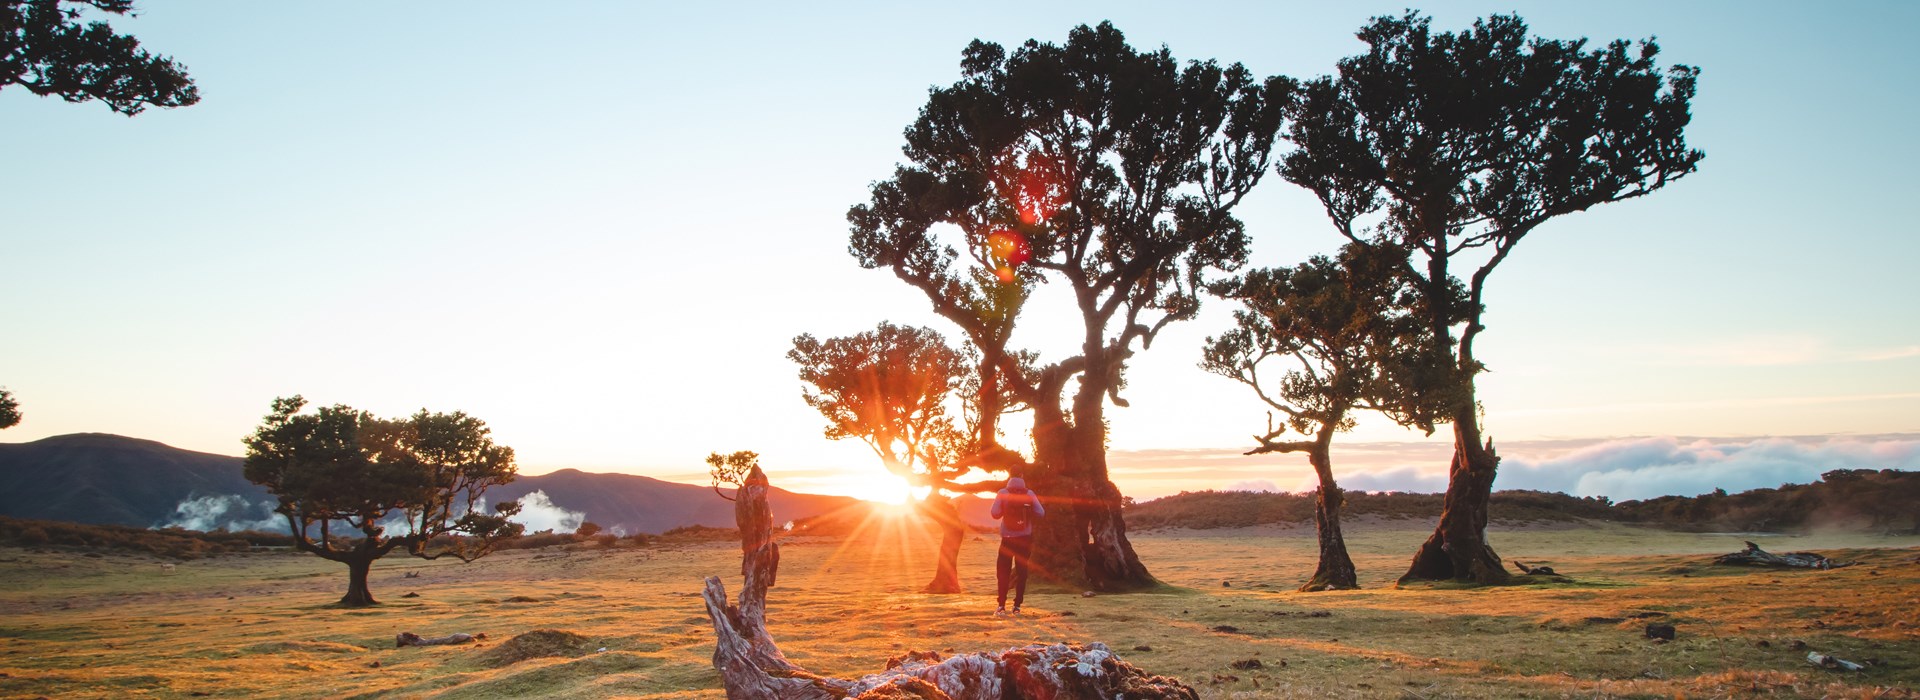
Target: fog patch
[(537, 512), (1639, 469), (229, 512)]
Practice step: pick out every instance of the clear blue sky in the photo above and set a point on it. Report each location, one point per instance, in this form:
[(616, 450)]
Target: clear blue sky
[(598, 225)]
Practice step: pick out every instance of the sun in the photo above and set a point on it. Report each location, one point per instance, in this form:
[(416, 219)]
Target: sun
[(879, 487)]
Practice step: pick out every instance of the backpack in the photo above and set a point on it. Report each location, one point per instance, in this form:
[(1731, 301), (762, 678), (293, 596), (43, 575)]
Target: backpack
[(1018, 516)]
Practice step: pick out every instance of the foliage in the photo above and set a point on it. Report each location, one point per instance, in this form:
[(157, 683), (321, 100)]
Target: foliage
[(1351, 330), (731, 469), (47, 50), (1114, 170), (9, 409), (587, 530), (888, 387), (425, 475)]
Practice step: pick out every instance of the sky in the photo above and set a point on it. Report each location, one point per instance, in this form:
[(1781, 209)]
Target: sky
[(598, 228)]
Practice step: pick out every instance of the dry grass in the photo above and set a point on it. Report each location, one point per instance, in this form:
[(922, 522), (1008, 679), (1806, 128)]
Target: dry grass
[(261, 625)]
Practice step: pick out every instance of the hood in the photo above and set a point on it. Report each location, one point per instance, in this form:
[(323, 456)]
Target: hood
[(1016, 484)]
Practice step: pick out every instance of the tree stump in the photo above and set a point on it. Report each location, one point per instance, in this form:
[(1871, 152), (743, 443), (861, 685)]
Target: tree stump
[(752, 667)]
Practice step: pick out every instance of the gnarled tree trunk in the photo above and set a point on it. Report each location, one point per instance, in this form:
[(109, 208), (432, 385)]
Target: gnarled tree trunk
[(358, 594), (1082, 542), (946, 575), (1458, 547), (1335, 571)]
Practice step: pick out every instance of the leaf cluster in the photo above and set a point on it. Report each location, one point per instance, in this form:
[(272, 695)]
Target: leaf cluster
[(1342, 334), (731, 469), (47, 50), (9, 410), (424, 475)]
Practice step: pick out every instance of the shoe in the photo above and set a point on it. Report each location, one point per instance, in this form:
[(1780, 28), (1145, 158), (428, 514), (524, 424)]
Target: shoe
[(1016, 610), (1002, 611)]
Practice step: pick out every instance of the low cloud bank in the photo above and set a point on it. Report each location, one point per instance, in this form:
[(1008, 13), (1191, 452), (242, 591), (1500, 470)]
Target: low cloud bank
[(1618, 468)]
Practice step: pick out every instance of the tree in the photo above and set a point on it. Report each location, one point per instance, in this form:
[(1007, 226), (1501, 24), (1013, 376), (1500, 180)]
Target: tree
[(586, 531), (890, 388), (45, 49), (1350, 328), (424, 476), (1107, 171), (731, 469), (9, 410), (1456, 146)]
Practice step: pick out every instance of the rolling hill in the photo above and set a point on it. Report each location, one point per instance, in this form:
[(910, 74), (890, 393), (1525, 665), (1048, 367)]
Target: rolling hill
[(107, 479)]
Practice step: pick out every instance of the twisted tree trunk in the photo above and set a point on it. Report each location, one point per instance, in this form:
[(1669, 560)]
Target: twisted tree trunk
[(946, 575), (1458, 547), (1335, 571)]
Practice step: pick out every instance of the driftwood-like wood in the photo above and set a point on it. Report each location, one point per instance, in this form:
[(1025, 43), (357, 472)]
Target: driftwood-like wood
[(1755, 556), (752, 667), (409, 639)]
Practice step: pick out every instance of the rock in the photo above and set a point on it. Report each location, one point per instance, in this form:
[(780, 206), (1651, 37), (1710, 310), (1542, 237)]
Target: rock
[(1086, 594), (1226, 584), (1247, 664), (1142, 647), (411, 594), (1796, 645), (1229, 629), (1605, 620), (1763, 644), (1657, 631)]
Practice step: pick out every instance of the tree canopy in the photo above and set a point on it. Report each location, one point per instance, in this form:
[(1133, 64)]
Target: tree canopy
[(9, 410), (424, 476), (888, 387), (45, 48), (1458, 145), (731, 469)]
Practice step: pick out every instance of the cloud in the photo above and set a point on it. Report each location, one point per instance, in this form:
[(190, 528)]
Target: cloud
[(1253, 485), (538, 512), (1618, 468), (1652, 467), (225, 512)]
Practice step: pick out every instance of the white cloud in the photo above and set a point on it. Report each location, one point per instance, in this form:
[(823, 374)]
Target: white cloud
[(1253, 485), (1650, 467), (538, 512), (226, 512)]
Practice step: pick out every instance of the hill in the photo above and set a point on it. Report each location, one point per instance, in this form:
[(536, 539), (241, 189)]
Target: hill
[(103, 479)]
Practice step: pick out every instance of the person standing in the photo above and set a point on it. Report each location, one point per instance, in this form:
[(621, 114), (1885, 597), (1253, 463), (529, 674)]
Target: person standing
[(1015, 507)]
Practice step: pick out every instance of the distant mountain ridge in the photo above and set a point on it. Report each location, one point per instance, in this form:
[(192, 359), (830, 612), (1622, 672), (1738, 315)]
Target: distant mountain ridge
[(105, 479)]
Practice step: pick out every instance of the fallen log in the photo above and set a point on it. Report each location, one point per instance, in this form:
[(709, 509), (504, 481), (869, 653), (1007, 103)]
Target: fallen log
[(409, 639), (1753, 555), (752, 667)]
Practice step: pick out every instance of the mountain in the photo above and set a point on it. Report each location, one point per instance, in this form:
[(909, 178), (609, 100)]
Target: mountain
[(106, 479)]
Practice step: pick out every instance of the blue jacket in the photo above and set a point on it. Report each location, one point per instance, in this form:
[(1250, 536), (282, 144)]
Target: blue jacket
[(1014, 494)]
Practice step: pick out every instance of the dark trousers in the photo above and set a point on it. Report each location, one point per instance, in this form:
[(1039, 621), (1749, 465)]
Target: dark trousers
[(1010, 567)]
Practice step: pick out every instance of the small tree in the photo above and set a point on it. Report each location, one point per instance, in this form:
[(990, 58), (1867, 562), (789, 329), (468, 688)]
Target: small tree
[(890, 388), (9, 410), (1355, 342), (45, 49), (731, 469), (586, 531), (1456, 146), (424, 476)]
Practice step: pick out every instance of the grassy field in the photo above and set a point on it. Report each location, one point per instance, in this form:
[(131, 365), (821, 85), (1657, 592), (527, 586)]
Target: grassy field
[(1229, 623)]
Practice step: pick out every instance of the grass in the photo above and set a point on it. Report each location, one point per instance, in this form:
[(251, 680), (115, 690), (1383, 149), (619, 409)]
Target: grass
[(262, 625)]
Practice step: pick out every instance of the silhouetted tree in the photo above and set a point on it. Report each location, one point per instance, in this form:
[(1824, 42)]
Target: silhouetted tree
[(1457, 146), (1107, 171), (9, 410), (47, 50), (1333, 336), (424, 476), (731, 469), (587, 530), (891, 388)]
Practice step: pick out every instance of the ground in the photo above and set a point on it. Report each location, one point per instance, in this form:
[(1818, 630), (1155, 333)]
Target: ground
[(1229, 623)]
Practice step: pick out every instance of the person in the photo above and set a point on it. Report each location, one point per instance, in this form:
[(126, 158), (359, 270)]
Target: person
[(1015, 507)]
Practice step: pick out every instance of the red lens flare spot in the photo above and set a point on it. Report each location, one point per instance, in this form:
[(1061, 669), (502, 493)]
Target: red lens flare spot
[(1004, 273)]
